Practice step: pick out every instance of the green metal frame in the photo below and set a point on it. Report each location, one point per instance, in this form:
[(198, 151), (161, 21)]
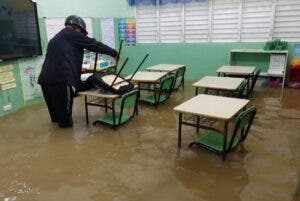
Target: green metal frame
[(117, 118), (215, 140), (160, 93)]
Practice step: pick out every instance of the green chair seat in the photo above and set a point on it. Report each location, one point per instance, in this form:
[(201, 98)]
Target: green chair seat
[(214, 141), (108, 118), (151, 99), (127, 110)]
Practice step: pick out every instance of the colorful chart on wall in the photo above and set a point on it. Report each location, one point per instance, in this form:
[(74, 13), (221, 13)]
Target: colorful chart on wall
[(29, 71), (127, 30)]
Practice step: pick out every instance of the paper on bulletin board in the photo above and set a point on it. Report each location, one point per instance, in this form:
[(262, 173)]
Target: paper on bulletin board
[(297, 50), (29, 71), (7, 79), (108, 32), (56, 24)]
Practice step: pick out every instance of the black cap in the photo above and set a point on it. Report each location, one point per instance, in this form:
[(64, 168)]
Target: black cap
[(77, 21)]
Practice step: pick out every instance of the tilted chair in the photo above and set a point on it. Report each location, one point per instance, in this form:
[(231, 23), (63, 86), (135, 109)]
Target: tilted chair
[(179, 78), (213, 140), (127, 109), (160, 93)]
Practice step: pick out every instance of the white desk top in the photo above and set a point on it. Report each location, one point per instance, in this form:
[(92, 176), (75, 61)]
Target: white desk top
[(146, 76), (237, 70), (97, 93), (216, 107), (165, 67), (213, 82)]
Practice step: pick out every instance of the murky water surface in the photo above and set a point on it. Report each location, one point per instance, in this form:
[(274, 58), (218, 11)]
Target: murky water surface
[(140, 160)]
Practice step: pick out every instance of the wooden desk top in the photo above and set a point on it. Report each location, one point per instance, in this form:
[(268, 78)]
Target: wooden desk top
[(98, 93), (237, 70), (213, 82), (146, 76), (165, 67), (216, 107)]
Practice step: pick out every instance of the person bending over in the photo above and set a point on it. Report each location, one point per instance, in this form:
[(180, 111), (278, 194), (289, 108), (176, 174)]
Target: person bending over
[(60, 74)]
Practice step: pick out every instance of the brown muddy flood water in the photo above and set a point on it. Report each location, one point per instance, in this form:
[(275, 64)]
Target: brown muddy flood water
[(140, 160)]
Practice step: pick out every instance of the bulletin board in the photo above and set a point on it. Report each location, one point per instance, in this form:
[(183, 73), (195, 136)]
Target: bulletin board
[(54, 25)]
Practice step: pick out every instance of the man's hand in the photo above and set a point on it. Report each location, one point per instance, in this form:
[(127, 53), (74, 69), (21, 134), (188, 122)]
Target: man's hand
[(117, 57)]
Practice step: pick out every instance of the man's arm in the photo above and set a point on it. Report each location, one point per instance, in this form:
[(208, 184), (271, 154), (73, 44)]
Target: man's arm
[(92, 44)]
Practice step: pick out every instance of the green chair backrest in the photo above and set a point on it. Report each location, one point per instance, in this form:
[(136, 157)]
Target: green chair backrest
[(241, 90), (167, 83), (242, 124), (179, 77), (180, 72), (253, 81), (165, 88), (129, 101)]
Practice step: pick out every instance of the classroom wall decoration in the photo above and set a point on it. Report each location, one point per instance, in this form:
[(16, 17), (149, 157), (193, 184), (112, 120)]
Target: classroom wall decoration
[(108, 33), (29, 71), (127, 30), (54, 25), (7, 79)]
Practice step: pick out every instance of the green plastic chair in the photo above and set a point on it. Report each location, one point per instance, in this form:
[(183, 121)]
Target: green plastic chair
[(239, 93), (179, 78), (160, 93), (127, 109), (253, 82), (213, 140)]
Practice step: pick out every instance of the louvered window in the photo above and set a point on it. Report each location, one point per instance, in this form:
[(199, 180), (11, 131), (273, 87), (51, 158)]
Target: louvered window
[(287, 20), (219, 21), (170, 22), (196, 22), (225, 20), (147, 25), (256, 20)]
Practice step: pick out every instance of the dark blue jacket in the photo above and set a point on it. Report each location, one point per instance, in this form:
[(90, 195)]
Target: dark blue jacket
[(64, 57)]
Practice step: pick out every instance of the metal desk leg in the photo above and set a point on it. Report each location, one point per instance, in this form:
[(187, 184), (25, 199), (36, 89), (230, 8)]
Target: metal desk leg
[(198, 123), (248, 86), (225, 140), (86, 110), (114, 114), (179, 130), (105, 102), (196, 91)]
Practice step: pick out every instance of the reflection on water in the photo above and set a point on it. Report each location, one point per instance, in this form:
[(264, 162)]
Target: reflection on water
[(140, 160)]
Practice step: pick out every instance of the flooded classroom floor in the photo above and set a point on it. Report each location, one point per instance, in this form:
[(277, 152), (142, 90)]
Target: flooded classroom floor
[(140, 161)]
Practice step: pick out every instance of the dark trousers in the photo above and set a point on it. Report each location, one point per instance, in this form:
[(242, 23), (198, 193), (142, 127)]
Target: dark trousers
[(59, 99)]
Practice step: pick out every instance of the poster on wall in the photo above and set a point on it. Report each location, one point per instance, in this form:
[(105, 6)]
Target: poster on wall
[(29, 71), (56, 24), (127, 30), (108, 33), (131, 32)]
